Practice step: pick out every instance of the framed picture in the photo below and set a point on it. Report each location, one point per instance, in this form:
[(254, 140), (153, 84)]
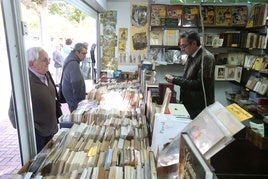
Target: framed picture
[(230, 73), (220, 71), (238, 74)]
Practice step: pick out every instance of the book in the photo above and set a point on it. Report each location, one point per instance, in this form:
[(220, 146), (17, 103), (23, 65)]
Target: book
[(173, 16), (239, 15), (213, 129), (156, 37), (190, 16), (171, 37), (166, 128), (191, 161), (251, 82), (208, 13), (249, 61), (223, 16), (158, 14)]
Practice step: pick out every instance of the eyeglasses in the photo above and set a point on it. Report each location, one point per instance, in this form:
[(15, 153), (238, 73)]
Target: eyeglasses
[(47, 60), (83, 53), (183, 46)]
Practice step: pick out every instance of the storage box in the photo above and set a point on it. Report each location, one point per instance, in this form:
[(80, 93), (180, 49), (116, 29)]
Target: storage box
[(257, 139)]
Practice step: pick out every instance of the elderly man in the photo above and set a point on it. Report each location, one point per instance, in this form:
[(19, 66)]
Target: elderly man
[(43, 96)]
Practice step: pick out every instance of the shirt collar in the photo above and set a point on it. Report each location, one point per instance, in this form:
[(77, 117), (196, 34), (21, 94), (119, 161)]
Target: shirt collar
[(36, 74), (194, 54)]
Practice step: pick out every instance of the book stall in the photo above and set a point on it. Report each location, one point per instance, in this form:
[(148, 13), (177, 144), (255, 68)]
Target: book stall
[(108, 139)]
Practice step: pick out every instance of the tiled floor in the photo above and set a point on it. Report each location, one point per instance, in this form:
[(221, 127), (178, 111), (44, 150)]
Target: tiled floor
[(10, 161)]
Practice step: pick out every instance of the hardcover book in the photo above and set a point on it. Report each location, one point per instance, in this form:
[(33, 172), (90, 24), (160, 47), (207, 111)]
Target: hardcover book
[(223, 16), (156, 37), (173, 16), (190, 16), (208, 13), (158, 14), (239, 15)]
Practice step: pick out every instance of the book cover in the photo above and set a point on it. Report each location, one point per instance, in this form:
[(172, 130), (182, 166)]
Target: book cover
[(171, 37), (190, 16), (238, 73), (223, 16), (208, 13), (173, 16), (239, 15), (191, 162), (158, 14), (251, 82), (156, 37)]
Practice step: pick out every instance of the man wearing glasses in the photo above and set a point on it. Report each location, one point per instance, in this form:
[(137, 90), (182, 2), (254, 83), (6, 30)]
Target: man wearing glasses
[(73, 84), (197, 82)]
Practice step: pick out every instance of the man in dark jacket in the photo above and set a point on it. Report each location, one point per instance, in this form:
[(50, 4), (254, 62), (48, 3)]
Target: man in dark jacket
[(197, 82), (73, 84), (43, 96)]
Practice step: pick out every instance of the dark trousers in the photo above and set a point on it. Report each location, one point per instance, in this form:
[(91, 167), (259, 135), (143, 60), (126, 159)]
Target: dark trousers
[(41, 141)]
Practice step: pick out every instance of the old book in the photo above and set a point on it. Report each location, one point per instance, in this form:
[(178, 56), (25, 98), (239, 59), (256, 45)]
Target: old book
[(173, 16), (158, 14), (223, 15), (264, 86), (208, 13), (251, 82), (191, 162), (171, 37), (190, 17), (239, 15), (156, 37), (153, 171)]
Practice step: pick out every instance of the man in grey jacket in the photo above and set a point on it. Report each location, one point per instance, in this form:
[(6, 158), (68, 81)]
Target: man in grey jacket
[(73, 84), (198, 73)]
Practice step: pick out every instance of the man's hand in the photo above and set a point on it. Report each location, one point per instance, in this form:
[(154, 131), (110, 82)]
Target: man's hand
[(169, 78)]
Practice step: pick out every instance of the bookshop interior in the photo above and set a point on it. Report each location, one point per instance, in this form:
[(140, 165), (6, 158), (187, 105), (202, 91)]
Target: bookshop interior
[(131, 123)]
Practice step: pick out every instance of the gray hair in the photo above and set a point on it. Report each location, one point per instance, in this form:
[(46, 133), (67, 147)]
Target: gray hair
[(32, 53), (79, 46)]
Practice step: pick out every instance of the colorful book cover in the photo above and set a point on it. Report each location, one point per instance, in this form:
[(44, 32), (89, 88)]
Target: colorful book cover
[(190, 16), (173, 16), (158, 14), (223, 16), (208, 13), (239, 15)]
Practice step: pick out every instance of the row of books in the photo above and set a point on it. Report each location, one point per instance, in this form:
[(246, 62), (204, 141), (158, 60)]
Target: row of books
[(237, 38), (258, 16), (188, 15), (259, 85)]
